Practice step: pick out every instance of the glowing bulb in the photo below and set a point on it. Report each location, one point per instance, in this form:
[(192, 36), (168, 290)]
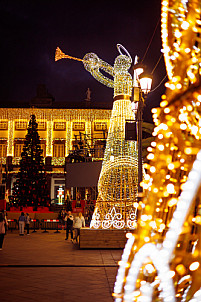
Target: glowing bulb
[(152, 169), (170, 188), (194, 266), (171, 166), (185, 25)]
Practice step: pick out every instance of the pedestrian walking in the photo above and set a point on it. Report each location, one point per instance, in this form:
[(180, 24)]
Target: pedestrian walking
[(22, 220), (3, 225), (69, 225), (28, 220), (79, 222), (6, 221), (5, 216)]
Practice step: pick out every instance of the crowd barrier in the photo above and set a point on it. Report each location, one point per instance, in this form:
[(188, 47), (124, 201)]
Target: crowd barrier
[(50, 224), (35, 224), (12, 224)]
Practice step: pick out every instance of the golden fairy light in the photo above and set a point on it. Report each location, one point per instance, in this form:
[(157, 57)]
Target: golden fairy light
[(118, 181), (168, 229), (46, 118)]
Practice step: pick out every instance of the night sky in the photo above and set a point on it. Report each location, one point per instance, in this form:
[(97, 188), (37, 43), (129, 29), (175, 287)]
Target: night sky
[(31, 30)]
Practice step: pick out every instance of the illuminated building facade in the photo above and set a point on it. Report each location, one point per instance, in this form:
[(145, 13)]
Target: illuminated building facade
[(60, 131)]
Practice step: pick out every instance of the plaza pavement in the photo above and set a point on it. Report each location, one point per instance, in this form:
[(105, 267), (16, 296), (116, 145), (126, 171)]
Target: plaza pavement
[(45, 267)]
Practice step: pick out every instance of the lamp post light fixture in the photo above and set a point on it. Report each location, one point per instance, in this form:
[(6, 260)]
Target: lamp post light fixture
[(142, 85)]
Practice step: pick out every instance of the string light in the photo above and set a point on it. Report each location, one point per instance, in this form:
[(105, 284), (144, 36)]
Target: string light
[(47, 118), (168, 228)]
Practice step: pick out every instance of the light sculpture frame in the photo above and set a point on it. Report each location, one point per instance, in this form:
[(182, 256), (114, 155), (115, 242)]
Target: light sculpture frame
[(118, 182), (169, 220)]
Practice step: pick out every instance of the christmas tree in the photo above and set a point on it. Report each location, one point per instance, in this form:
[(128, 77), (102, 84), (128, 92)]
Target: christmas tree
[(30, 188)]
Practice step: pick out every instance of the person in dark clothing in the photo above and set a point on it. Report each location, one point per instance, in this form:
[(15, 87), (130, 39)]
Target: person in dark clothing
[(69, 225), (27, 221), (3, 224)]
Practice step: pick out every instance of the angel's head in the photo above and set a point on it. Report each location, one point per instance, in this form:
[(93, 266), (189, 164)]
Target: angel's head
[(122, 63)]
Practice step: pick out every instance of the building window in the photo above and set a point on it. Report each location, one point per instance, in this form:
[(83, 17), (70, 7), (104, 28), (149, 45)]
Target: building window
[(2, 150), (59, 150), (20, 125), (18, 150), (78, 126), (59, 126), (3, 125), (100, 126), (99, 149), (41, 125), (43, 147)]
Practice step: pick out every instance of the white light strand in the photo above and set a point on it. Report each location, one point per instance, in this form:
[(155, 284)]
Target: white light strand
[(186, 198), (123, 263), (166, 283)]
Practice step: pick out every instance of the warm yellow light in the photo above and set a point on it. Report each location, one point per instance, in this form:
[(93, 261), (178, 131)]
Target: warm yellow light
[(172, 202), (194, 266), (163, 103), (185, 25), (187, 50), (199, 97), (183, 126), (180, 269), (178, 34), (178, 86), (171, 166), (150, 268), (197, 220), (167, 110), (170, 188), (152, 169), (150, 156), (128, 235), (161, 147), (153, 144), (171, 274)]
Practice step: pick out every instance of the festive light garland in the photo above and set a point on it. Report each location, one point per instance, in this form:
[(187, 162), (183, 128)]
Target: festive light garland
[(49, 116), (162, 260), (119, 177), (117, 184)]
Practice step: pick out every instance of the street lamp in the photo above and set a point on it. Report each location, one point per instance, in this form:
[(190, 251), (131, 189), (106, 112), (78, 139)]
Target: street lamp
[(142, 85)]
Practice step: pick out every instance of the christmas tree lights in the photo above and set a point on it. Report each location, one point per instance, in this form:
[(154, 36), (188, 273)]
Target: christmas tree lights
[(162, 260), (30, 188)]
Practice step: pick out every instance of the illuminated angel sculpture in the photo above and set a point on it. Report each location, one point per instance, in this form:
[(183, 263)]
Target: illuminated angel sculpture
[(118, 181), (117, 186), (162, 261)]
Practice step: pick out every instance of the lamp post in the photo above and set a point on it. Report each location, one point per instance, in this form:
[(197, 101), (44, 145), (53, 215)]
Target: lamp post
[(142, 85)]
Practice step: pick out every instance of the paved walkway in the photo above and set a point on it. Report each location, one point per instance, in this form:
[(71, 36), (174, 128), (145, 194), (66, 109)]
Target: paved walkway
[(45, 267)]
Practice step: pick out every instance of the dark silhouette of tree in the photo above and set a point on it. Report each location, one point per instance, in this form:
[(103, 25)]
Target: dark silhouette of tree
[(30, 188)]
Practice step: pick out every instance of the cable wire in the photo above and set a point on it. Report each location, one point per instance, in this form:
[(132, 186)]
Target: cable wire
[(157, 63), (159, 84), (151, 40)]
